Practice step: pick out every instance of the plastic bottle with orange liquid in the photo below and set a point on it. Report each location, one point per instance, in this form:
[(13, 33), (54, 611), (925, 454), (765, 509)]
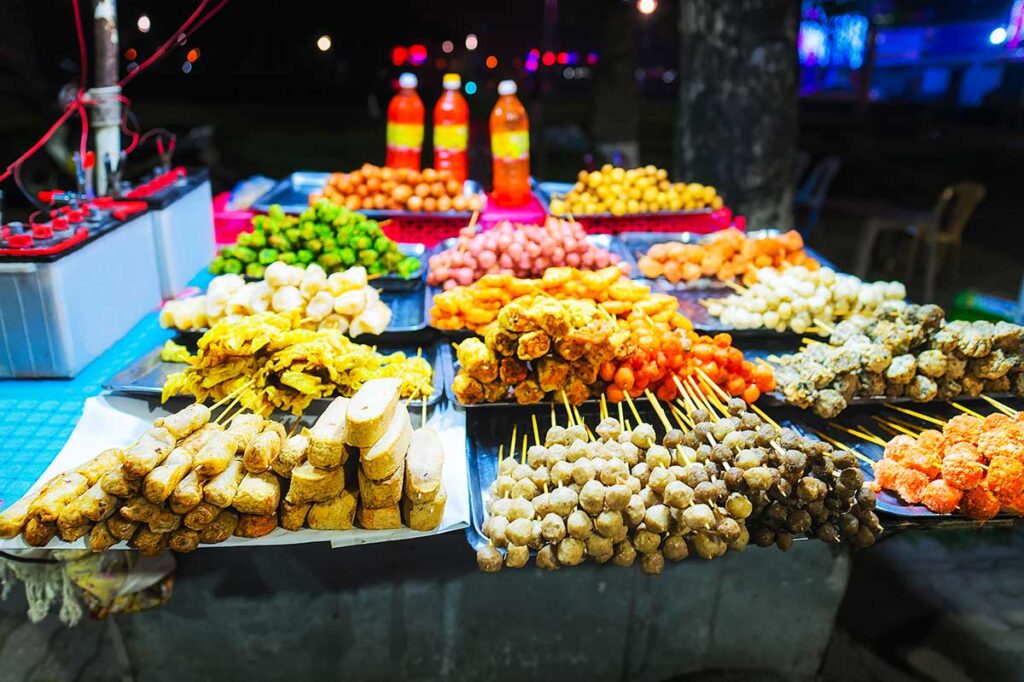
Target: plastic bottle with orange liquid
[(451, 129), (510, 148), (405, 125)]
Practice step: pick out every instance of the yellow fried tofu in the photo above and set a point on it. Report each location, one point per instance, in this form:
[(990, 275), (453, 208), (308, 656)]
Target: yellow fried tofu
[(380, 460), (310, 484), (293, 453), (380, 519), (327, 436), (370, 411), (425, 515), (258, 494), (255, 525), (293, 516), (384, 493), (12, 519), (423, 466), (337, 513)]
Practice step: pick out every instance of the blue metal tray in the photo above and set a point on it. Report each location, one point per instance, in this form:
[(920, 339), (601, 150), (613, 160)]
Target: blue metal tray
[(603, 241), (292, 195), (146, 376), (546, 191)]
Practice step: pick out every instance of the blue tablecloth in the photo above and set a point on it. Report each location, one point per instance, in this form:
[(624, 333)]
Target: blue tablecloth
[(38, 415)]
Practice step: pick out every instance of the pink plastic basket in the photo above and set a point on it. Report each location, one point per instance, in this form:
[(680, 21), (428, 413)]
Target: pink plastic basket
[(695, 222), (227, 225)]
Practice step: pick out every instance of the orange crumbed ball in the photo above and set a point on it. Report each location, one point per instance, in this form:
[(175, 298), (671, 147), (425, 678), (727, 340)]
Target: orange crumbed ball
[(931, 441), (926, 462), (910, 485), (962, 428), (940, 497), (897, 448), (1005, 478), (979, 503), (994, 421), (1016, 505), (886, 471), (999, 441), (962, 471)]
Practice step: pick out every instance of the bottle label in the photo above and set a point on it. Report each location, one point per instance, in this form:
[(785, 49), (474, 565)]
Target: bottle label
[(451, 138), (404, 136), (512, 145)]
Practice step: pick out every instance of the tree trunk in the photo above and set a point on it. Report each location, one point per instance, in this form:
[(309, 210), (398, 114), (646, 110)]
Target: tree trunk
[(737, 123), (616, 98)]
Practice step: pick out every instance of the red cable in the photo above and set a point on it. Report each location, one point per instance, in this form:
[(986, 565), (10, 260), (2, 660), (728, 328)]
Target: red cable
[(163, 48), (74, 106), (81, 45), (209, 15)]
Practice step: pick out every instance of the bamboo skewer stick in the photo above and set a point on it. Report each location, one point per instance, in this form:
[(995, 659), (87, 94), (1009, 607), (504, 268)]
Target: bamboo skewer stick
[(568, 409), (718, 390), (764, 415), (871, 438), (1008, 411), (577, 415), (912, 413), (526, 445), (824, 325), (603, 407), (536, 431), (896, 427), (512, 445), (622, 422), (685, 423), (236, 391), (554, 422), (839, 444), (966, 410), (632, 408), (891, 432), (653, 400)]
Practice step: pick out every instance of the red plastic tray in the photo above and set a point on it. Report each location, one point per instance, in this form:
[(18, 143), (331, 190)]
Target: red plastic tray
[(227, 225)]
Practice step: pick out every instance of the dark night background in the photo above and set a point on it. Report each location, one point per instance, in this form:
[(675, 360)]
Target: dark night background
[(262, 99)]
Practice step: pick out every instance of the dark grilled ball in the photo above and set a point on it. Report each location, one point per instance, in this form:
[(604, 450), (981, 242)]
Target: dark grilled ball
[(691, 439), (844, 459), (870, 520), (781, 490), (764, 435), (784, 540), (702, 429), (750, 421), (736, 406), (700, 416), (828, 533), (704, 492), (852, 478), (710, 468), (758, 478), (722, 454), (733, 478), (798, 521), (674, 548), (721, 490), (729, 530), (794, 461), (694, 474), (702, 453), (789, 439), (777, 512), (673, 439), (817, 510), (866, 498), (763, 536), (810, 488), (738, 506), (849, 525)]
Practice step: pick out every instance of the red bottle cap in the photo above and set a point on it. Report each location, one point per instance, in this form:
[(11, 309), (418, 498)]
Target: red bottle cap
[(60, 224), (20, 241), (75, 216), (42, 231)]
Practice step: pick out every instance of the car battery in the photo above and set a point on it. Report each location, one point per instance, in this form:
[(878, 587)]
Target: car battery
[(72, 286), (181, 206)]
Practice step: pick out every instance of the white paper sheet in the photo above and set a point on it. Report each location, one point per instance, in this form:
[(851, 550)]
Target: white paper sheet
[(111, 421)]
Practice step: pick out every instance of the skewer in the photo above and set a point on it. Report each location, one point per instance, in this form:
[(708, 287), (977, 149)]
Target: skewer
[(1008, 411), (536, 431), (684, 397), (912, 413), (622, 422), (232, 394), (632, 408), (472, 219), (295, 426), (577, 415), (711, 384), (764, 415), (501, 452), (966, 410), (893, 421), (512, 445), (554, 422), (423, 414), (839, 444), (892, 433), (603, 408), (824, 325), (228, 408), (702, 397), (568, 409), (871, 438), (685, 423), (653, 400), (735, 287), (526, 445)]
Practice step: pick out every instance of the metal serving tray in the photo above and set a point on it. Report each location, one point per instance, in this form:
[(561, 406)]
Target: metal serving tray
[(292, 195), (546, 191), (603, 241), (146, 376), (408, 320), (887, 501)]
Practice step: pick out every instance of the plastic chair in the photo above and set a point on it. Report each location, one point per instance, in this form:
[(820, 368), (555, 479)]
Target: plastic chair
[(940, 229), (812, 193)]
